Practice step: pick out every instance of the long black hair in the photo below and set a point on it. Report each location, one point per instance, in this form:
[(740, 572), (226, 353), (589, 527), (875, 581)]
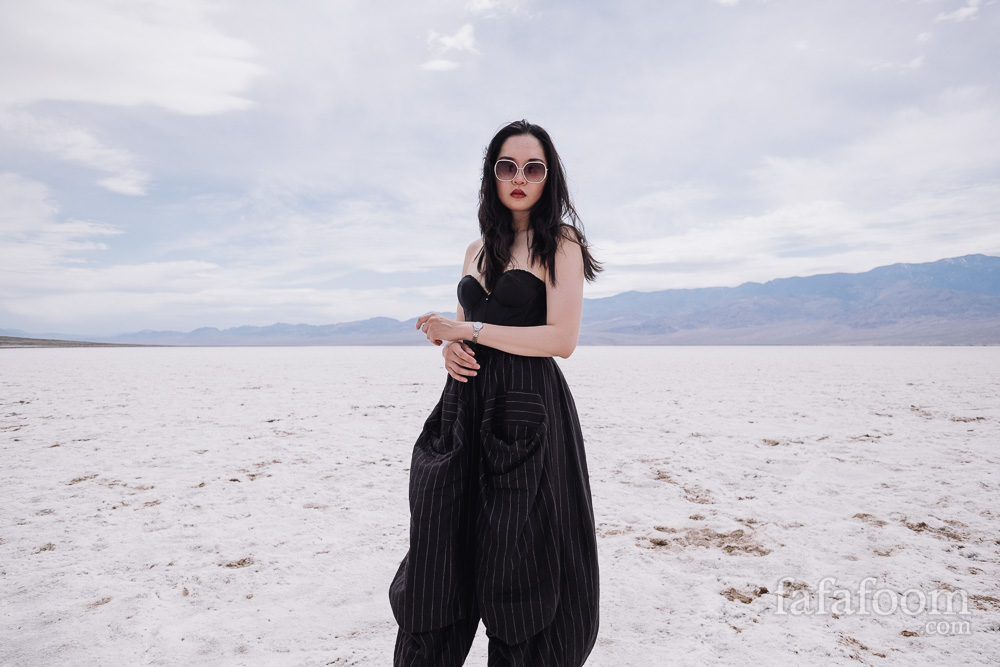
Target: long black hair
[(551, 217)]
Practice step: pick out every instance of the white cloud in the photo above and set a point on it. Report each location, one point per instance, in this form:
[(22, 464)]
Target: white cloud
[(924, 37), (660, 211), (945, 146), (733, 240), (34, 244), (439, 65), (917, 188), (896, 67), (24, 205), (270, 265), (805, 239), (727, 3), (493, 8), (160, 52), (482, 5), (272, 261), (709, 158), (77, 145), (185, 301), (464, 39), (962, 14), (104, 52), (282, 243)]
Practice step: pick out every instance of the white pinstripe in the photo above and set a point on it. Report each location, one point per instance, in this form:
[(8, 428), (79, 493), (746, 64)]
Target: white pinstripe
[(501, 518)]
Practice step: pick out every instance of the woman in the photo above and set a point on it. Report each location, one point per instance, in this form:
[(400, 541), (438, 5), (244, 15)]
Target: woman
[(501, 519)]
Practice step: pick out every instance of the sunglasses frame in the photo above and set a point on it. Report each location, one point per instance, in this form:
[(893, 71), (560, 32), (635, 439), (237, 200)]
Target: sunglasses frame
[(520, 169)]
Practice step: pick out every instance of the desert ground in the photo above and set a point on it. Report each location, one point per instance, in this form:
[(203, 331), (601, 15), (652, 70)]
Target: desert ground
[(248, 506)]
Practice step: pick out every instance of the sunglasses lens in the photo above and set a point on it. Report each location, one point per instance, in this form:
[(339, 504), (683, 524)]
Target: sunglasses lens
[(505, 170), (534, 172)]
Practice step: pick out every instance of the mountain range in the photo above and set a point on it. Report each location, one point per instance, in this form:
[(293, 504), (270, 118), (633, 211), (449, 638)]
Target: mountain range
[(949, 302)]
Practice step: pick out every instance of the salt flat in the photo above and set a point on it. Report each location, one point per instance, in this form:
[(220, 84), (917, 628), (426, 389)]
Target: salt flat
[(207, 506)]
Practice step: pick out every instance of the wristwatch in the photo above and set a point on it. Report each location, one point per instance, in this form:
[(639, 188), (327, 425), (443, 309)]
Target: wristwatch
[(476, 328)]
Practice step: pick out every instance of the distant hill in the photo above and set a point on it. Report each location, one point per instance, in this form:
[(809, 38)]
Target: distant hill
[(17, 341), (951, 301), (373, 331), (948, 302)]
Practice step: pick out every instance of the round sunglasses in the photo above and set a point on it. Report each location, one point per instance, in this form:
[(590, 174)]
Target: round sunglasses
[(533, 172)]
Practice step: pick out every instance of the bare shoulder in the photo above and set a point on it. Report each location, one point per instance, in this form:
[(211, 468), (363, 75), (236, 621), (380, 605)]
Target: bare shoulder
[(568, 258), (470, 255), (568, 242), (569, 233)]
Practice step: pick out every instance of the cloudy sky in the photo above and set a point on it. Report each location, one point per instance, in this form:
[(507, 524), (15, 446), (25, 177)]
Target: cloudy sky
[(171, 164)]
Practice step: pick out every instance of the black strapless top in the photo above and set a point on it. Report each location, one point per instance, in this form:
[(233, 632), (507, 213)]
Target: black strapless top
[(517, 300)]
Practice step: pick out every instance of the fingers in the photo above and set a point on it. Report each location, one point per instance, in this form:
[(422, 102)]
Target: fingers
[(432, 325), (460, 360), (460, 373), (424, 324), (460, 364), (462, 370), (462, 355), (422, 320), (465, 360)]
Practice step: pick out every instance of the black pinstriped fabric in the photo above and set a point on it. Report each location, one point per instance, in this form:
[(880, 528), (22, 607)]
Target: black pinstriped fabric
[(501, 517)]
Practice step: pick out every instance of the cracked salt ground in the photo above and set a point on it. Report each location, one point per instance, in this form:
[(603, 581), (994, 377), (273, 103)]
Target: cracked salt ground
[(249, 506)]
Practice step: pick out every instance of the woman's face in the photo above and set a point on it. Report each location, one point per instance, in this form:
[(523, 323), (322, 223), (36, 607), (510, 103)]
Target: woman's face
[(519, 194)]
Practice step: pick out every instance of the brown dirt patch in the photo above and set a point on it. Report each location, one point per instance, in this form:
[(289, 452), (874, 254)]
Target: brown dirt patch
[(734, 595), (940, 531), (83, 479), (692, 494), (788, 587), (736, 542), (853, 643), (868, 518), (607, 530), (985, 602)]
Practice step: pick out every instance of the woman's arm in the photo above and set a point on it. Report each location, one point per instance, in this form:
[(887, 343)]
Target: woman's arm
[(558, 337), (459, 358), (564, 305)]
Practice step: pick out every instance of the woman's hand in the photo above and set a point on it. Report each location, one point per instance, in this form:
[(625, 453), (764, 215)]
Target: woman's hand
[(459, 360), (439, 329)]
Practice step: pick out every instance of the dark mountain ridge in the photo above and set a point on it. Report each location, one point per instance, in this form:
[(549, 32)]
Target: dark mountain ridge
[(951, 301)]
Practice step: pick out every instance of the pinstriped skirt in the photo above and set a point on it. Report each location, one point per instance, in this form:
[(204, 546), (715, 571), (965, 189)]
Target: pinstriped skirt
[(501, 517)]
